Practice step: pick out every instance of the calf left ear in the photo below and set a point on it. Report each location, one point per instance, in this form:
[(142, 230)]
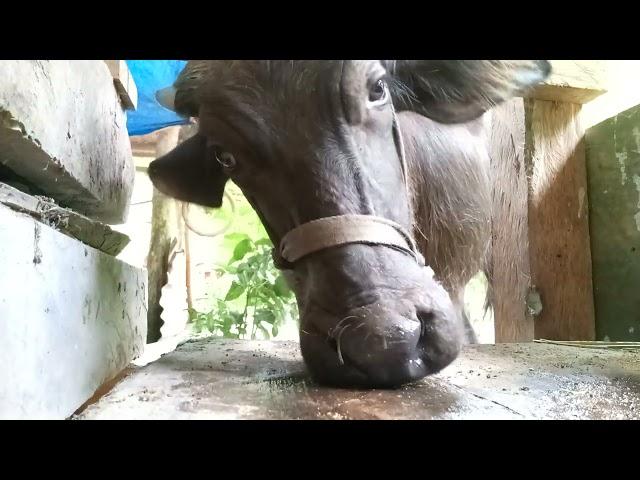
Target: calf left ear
[(190, 173), (458, 91)]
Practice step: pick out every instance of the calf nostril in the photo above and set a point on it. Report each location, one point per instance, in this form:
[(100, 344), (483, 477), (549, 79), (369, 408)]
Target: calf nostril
[(426, 320)]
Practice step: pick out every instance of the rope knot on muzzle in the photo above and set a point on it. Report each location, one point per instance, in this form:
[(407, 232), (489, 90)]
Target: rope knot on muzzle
[(330, 232)]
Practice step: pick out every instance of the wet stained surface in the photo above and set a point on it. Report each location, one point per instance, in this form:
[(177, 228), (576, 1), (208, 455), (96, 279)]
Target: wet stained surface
[(224, 379)]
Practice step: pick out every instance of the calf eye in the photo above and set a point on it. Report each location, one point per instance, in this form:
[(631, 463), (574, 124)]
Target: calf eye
[(378, 92), (225, 159)]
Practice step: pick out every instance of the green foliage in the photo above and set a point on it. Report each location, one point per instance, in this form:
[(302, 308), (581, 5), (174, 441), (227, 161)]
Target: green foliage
[(258, 301)]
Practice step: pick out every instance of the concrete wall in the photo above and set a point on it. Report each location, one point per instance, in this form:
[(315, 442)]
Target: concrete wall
[(71, 318), (62, 128), (613, 162)]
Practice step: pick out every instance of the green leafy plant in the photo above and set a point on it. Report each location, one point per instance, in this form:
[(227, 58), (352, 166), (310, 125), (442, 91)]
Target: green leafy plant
[(257, 302)]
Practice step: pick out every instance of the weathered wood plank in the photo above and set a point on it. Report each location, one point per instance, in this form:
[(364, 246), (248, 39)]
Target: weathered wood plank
[(167, 233), (560, 253), (93, 233), (509, 265), (573, 81), (613, 163), (124, 83)]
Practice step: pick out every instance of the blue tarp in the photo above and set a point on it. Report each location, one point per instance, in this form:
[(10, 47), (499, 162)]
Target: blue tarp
[(150, 76)]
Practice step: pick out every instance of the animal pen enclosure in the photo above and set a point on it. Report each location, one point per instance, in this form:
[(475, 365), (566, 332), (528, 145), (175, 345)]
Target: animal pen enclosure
[(565, 242)]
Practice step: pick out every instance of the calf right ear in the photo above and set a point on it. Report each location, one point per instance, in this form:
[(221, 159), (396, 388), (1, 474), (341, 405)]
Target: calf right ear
[(458, 91), (190, 173)]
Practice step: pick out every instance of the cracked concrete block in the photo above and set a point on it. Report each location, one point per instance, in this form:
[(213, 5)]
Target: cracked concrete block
[(93, 233), (71, 318), (63, 128)]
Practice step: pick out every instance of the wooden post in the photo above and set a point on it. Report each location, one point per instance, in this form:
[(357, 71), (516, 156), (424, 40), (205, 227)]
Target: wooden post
[(541, 265), (166, 229), (510, 270), (186, 132), (559, 245), (124, 83)]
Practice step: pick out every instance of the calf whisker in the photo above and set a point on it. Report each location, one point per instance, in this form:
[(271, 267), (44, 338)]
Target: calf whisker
[(340, 359), (361, 324), (310, 334), (337, 326)]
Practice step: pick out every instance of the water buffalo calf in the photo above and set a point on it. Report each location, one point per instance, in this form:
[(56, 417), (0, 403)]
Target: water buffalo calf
[(399, 140)]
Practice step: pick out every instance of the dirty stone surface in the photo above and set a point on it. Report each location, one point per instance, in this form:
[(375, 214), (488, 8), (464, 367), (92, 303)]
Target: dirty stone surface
[(224, 379)]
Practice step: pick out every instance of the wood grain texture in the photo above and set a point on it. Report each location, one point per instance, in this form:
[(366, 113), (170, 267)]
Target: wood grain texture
[(560, 252), (509, 264), (167, 229)]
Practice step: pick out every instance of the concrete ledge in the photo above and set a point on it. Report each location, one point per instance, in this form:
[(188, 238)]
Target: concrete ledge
[(216, 379), (62, 127), (91, 232), (71, 318)]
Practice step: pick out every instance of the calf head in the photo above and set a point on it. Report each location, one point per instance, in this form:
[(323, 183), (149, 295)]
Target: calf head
[(306, 140)]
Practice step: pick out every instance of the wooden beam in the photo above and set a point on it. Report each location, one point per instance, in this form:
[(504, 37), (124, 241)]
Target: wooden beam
[(558, 216), (573, 82), (541, 254), (509, 266), (167, 229), (124, 83)]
